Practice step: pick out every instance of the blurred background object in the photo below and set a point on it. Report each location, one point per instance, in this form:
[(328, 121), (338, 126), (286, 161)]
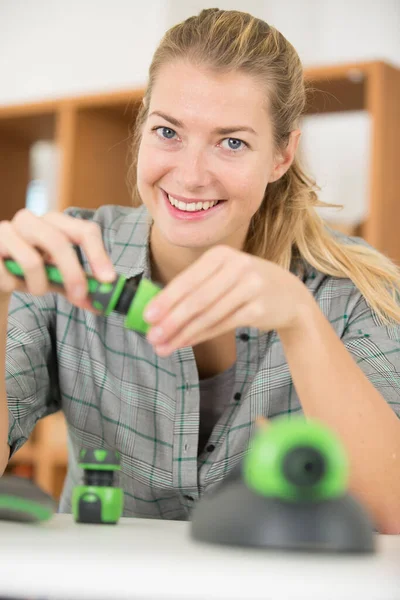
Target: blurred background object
[(72, 75)]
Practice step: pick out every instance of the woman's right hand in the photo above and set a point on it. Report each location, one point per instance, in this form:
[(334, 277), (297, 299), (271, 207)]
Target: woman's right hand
[(31, 241)]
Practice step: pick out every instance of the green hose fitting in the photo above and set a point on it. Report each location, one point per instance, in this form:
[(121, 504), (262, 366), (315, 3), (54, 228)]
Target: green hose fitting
[(98, 500), (296, 459)]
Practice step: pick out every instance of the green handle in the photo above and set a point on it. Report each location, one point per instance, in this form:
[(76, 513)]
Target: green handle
[(105, 297), (53, 274)]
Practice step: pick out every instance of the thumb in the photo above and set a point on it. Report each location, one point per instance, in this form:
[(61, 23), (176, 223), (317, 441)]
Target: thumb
[(261, 422)]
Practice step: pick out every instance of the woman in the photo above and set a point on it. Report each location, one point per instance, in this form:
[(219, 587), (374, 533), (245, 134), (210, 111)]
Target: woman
[(264, 312)]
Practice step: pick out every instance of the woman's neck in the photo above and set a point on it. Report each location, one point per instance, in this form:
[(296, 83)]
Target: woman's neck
[(167, 260)]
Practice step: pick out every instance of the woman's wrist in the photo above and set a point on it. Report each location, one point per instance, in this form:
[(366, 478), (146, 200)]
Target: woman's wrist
[(304, 315), (4, 304)]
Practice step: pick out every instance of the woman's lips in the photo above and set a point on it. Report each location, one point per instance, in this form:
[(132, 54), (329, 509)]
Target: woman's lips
[(190, 215)]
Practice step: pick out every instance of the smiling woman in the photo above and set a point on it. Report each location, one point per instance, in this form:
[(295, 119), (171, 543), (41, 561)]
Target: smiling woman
[(196, 162), (264, 310)]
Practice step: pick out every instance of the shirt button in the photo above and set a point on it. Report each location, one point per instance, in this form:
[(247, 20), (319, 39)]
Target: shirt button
[(237, 396), (244, 337), (210, 447)]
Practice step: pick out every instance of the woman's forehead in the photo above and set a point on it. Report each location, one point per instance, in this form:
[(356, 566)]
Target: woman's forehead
[(196, 92)]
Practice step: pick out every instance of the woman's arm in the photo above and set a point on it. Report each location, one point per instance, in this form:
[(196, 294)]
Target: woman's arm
[(225, 289), (4, 448), (332, 388)]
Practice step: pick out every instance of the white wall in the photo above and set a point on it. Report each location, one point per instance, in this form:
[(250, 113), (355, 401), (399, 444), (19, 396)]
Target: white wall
[(178, 10), (51, 48), (322, 31), (328, 32)]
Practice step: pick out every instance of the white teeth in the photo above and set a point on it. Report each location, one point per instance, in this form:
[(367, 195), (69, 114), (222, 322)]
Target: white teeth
[(191, 206)]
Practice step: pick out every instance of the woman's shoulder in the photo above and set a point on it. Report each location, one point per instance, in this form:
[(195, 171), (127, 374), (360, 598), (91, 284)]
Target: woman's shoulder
[(315, 278), (113, 219), (109, 215), (338, 297)]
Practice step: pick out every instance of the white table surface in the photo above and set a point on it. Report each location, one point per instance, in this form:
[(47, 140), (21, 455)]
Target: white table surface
[(157, 560)]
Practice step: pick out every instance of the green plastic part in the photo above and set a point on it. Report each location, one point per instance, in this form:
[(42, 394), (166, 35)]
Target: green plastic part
[(100, 454), (99, 467), (13, 268), (134, 318), (105, 288), (263, 465), (93, 285), (15, 504), (118, 287), (111, 499), (53, 274)]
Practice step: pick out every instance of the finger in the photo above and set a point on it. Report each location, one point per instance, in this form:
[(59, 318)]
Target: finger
[(40, 234), (241, 318), (9, 284), (209, 264), (261, 422), (15, 247), (212, 319), (88, 235), (200, 301)]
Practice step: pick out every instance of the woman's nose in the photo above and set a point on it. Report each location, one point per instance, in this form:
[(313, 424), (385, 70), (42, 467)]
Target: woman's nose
[(192, 169)]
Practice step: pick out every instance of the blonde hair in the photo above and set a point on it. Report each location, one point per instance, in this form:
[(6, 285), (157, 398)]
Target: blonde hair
[(286, 227)]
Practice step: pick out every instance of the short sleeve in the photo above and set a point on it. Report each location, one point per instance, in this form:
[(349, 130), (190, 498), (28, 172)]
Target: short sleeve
[(376, 349), (31, 364)]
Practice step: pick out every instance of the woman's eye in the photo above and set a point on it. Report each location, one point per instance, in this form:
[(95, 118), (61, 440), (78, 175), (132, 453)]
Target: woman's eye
[(233, 144), (165, 133)]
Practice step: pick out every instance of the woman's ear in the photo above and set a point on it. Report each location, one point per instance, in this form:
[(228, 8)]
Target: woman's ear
[(285, 157)]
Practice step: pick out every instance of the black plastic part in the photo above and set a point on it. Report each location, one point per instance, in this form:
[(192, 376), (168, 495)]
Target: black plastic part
[(98, 478), (303, 466), (23, 489), (127, 295), (101, 298), (235, 515), (89, 512), (88, 456)]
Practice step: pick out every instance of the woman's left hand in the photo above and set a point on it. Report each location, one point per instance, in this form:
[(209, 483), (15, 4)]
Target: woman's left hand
[(224, 289)]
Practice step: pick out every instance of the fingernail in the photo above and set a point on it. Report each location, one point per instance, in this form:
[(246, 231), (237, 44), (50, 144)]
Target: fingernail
[(108, 272), (151, 313), (155, 334)]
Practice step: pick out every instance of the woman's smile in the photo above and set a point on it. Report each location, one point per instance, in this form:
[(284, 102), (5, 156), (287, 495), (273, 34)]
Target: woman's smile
[(190, 209)]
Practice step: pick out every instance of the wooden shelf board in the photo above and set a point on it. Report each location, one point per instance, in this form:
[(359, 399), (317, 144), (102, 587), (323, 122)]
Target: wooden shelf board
[(117, 100), (31, 127), (29, 109), (342, 71), (339, 95)]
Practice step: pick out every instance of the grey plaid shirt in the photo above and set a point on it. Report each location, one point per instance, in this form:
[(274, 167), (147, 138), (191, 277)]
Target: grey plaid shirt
[(116, 393)]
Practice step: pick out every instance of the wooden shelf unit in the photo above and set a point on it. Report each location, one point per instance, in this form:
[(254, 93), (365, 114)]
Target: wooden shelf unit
[(91, 133)]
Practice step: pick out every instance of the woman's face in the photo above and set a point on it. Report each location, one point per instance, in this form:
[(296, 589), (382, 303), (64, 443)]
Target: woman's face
[(206, 156)]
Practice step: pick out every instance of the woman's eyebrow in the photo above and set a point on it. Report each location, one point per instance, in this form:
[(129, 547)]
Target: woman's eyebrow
[(219, 130)]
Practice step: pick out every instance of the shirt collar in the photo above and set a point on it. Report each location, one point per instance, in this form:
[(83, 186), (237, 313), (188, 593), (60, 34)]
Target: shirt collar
[(130, 253)]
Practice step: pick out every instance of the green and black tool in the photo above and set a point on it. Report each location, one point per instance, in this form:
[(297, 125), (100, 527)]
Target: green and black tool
[(290, 493), (98, 501), (125, 296), (22, 500)]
